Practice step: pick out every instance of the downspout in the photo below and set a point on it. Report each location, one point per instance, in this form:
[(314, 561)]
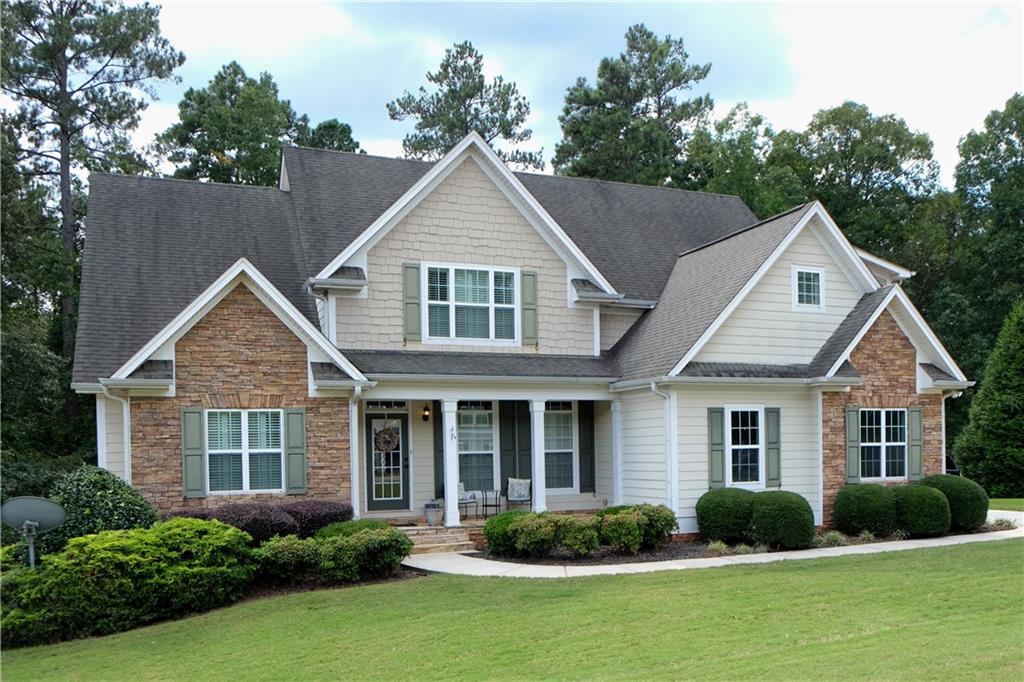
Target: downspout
[(353, 447), (126, 425), (671, 447)]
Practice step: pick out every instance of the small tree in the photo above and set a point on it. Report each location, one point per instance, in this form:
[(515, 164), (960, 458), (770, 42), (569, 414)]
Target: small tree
[(462, 103), (990, 450)]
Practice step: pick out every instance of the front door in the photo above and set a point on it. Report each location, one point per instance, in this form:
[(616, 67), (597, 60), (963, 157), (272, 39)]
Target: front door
[(387, 461)]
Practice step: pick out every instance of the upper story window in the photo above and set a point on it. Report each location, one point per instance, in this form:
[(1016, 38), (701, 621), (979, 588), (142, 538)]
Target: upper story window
[(474, 303), (808, 288)]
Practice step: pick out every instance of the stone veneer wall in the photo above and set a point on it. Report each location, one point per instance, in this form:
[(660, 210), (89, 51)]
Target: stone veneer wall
[(240, 355), (887, 361)]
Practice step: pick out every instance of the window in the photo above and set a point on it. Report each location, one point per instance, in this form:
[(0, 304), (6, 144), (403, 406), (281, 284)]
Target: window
[(883, 443), (560, 446), (476, 304), (243, 450), (745, 445), (808, 288), (475, 423)]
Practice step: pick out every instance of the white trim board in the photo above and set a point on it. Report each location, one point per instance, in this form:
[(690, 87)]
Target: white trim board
[(241, 272), (472, 146)]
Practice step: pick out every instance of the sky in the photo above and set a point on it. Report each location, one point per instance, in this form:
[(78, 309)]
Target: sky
[(940, 66)]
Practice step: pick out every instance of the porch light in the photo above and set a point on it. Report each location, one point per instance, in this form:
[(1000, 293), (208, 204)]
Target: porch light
[(426, 412)]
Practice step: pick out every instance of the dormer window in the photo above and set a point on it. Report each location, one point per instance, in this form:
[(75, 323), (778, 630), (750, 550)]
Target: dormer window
[(808, 288), (471, 303)]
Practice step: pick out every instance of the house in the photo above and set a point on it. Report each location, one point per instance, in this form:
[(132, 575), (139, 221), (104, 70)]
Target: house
[(385, 331)]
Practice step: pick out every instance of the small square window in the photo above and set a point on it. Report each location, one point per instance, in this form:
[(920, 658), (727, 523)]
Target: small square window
[(808, 287)]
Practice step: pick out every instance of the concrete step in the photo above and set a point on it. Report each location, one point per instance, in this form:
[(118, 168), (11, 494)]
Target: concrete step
[(443, 547)]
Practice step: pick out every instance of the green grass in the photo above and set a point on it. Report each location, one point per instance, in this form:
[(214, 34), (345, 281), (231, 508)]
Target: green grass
[(955, 612), (1007, 504)]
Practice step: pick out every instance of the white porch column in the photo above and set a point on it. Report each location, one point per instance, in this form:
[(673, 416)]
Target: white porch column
[(540, 501), (450, 438), (616, 408), (353, 459)]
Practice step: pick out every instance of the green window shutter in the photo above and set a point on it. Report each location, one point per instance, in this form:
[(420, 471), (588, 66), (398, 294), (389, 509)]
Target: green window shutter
[(411, 298), (587, 464), (772, 447), (529, 304), (438, 418), (852, 444), (716, 447), (295, 450), (915, 443), (193, 453)]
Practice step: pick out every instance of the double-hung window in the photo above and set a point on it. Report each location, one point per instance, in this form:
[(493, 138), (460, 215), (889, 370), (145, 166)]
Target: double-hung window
[(474, 303), (243, 451), (883, 443), (475, 424), (744, 441), (560, 461), (808, 288)]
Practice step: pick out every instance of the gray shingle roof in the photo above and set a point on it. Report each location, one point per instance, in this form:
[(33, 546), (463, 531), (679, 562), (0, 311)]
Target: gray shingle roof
[(745, 370), (325, 371), (701, 285), (154, 369), (937, 373), (848, 330), (482, 364)]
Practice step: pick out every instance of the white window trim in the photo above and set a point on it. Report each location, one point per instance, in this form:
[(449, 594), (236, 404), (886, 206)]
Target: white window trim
[(750, 485), (807, 307), (884, 443), (245, 453), (495, 443), (454, 340), (575, 489)]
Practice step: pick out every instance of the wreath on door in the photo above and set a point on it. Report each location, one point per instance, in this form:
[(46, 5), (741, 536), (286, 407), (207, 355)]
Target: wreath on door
[(385, 440)]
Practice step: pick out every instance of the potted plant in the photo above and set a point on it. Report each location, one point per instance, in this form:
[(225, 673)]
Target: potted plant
[(434, 513)]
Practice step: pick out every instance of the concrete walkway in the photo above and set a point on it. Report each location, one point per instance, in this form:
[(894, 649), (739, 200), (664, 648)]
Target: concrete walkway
[(459, 564)]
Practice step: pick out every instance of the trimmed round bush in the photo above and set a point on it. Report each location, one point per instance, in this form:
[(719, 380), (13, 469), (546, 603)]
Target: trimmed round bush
[(623, 531), (121, 579), (371, 553), (782, 519), (922, 511), (659, 522), (579, 534), (343, 529), (609, 511), (865, 506), (260, 520), (286, 559), (94, 500), (724, 514), (968, 502), (312, 515), (535, 535), (496, 532)]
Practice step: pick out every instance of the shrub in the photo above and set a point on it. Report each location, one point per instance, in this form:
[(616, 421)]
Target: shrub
[(343, 529), (922, 511), (750, 549), (312, 515), (623, 531), (866, 506), (94, 500), (116, 580), (724, 514), (578, 534), (496, 532), (718, 548), (609, 511), (868, 536), (286, 559), (899, 534), (370, 553), (33, 475), (832, 538), (782, 519), (535, 534), (1003, 524), (968, 503), (260, 520), (659, 522)]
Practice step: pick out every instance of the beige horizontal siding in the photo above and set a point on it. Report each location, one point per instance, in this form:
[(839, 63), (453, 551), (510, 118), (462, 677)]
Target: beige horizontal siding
[(114, 431), (643, 448), (614, 325)]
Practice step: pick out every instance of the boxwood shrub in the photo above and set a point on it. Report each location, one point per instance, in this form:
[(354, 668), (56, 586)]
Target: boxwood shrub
[(579, 534), (535, 535), (343, 529), (120, 579), (287, 559), (312, 515), (369, 553), (659, 522), (724, 514), (782, 519), (624, 531), (921, 511), (496, 532), (968, 502), (865, 506)]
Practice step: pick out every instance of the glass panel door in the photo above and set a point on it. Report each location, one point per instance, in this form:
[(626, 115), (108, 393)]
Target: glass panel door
[(387, 463)]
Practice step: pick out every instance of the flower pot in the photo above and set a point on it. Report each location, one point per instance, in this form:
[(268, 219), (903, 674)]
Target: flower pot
[(434, 514)]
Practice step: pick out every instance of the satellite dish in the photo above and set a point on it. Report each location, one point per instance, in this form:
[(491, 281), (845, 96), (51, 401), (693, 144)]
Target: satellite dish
[(31, 516)]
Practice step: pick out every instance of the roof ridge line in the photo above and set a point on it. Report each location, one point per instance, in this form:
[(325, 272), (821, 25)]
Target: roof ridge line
[(357, 154), (631, 184), (745, 229), (202, 183)]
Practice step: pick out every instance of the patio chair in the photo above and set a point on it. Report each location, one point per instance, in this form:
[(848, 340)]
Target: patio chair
[(467, 498), (519, 492)]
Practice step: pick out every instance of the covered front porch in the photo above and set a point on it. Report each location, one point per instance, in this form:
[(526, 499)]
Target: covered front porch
[(413, 445)]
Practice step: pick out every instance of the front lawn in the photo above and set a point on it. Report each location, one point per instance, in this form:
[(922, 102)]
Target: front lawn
[(955, 612), (1007, 503)]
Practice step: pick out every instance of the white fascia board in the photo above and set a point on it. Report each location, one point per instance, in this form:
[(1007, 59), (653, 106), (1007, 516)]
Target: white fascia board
[(433, 177), (241, 272), (883, 264), (846, 247)]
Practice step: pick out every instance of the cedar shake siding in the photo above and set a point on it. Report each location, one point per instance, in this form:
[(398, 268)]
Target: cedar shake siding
[(887, 362), (240, 355)]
